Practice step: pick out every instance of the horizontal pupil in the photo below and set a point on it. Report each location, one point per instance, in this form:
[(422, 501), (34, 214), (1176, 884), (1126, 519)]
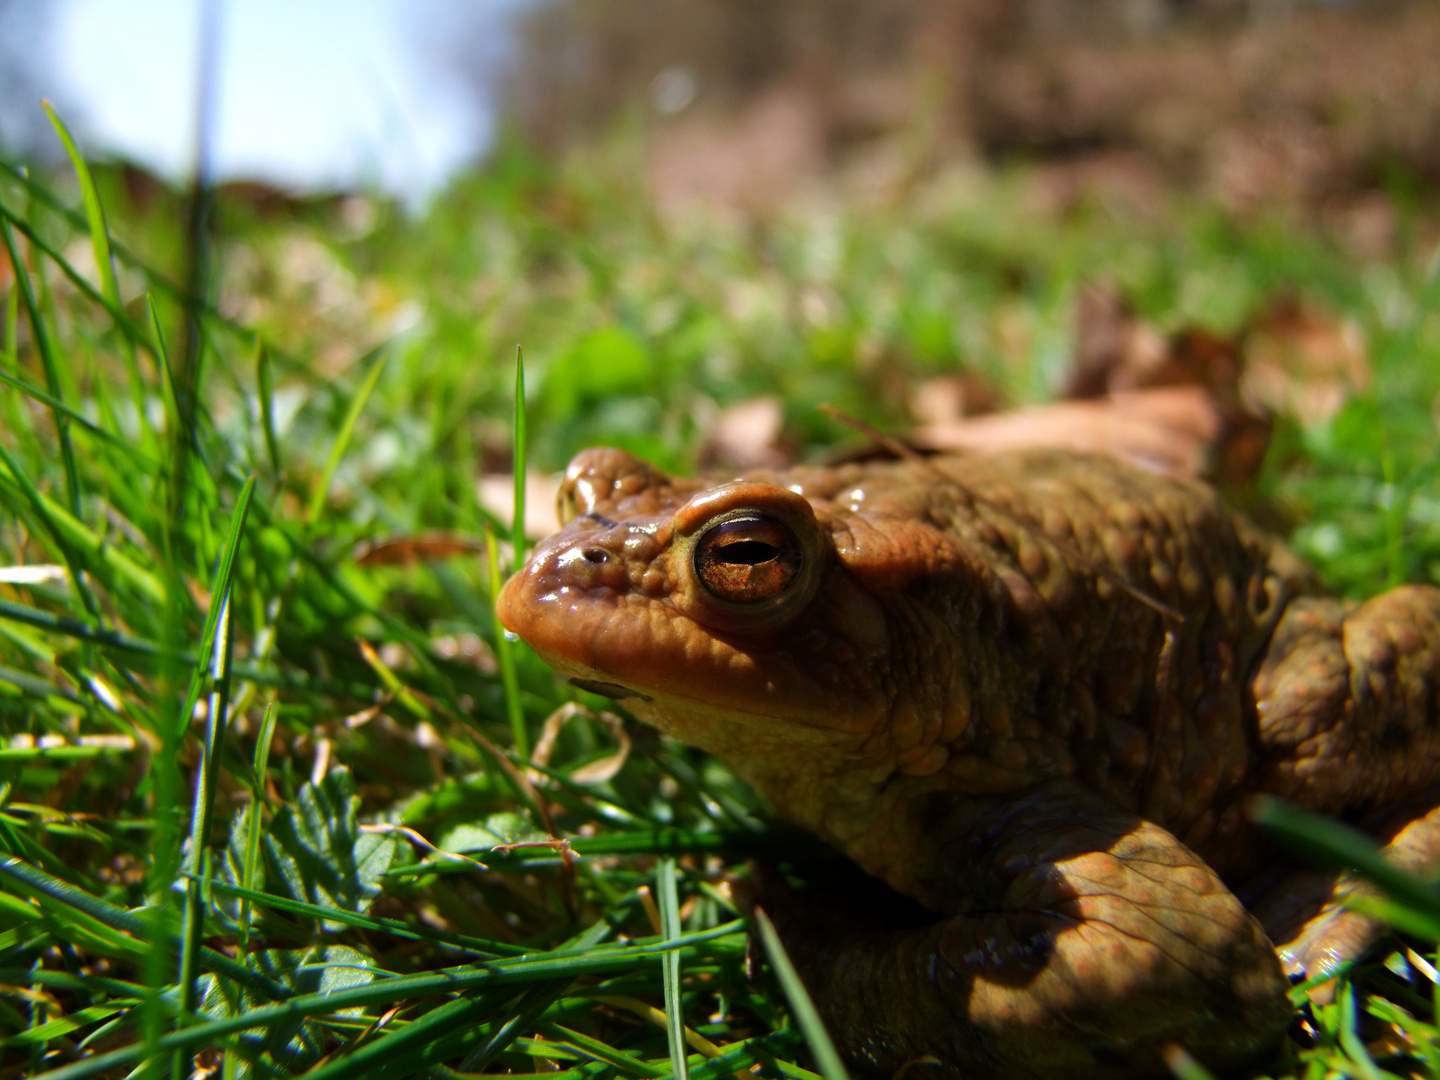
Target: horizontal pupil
[(749, 552)]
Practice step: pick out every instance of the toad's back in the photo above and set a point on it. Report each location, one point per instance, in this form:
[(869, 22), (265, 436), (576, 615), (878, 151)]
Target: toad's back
[(1096, 622)]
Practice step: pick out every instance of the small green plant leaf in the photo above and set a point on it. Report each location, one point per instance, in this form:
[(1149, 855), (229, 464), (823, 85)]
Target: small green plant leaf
[(319, 853), (504, 827), (297, 1042)]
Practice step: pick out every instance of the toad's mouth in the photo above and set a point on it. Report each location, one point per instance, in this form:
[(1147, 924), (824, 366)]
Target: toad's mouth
[(607, 689)]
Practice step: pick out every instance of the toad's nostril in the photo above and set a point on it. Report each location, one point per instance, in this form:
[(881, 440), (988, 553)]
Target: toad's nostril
[(595, 555)]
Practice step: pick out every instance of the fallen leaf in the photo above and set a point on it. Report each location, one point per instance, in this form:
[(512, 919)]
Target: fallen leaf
[(1303, 361), (408, 550), (1172, 430), (1118, 353), (1114, 349), (596, 772), (747, 435), (496, 492), (946, 398)]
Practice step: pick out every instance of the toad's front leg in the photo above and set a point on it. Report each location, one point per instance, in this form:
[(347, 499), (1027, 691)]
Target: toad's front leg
[(1084, 941)]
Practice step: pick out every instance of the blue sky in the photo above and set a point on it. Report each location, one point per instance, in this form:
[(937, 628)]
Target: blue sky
[(310, 94)]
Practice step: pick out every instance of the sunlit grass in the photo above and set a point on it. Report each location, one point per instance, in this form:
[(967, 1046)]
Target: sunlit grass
[(371, 884)]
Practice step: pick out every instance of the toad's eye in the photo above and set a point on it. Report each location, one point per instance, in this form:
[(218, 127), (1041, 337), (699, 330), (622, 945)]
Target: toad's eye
[(747, 559)]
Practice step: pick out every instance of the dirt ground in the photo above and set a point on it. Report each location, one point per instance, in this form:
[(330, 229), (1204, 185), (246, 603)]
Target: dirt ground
[(1327, 108)]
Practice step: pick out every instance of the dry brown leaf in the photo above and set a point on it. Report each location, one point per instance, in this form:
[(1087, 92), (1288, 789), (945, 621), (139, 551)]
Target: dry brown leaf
[(497, 494), (946, 398), (1115, 351), (596, 772), (1173, 430), (1303, 361), (409, 550), (747, 435)]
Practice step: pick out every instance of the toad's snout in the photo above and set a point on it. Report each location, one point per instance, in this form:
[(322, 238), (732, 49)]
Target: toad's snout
[(584, 562), (580, 600)]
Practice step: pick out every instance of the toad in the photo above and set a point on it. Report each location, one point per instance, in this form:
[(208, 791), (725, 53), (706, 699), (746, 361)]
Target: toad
[(1032, 693)]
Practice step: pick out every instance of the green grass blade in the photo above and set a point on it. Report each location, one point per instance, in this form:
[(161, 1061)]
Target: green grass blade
[(64, 980), (742, 1055), (1184, 1067), (104, 258), (536, 1002), (1340, 847), (91, 550), (532, 1005), (12, 328), (1350, 1040), (51, 517), (667, 840), (265, 388), (219, 598), (626, 1062), (63, 1025), (670, 966), (505, 657), (517, 523), (497, 973), (204, 806), (428, 1055), (41, 337), (74, 628), (372, 923), (1402, 917), (16, 421), (162, 361), (51, 753), (461, 1011), (136, 924), (78, 418), (94, 212), (821, 1045), (127, 326), (251, 871), (59, 624), (217, 632), (376, 358), (182, 444), (222, 654), (70, 923)]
